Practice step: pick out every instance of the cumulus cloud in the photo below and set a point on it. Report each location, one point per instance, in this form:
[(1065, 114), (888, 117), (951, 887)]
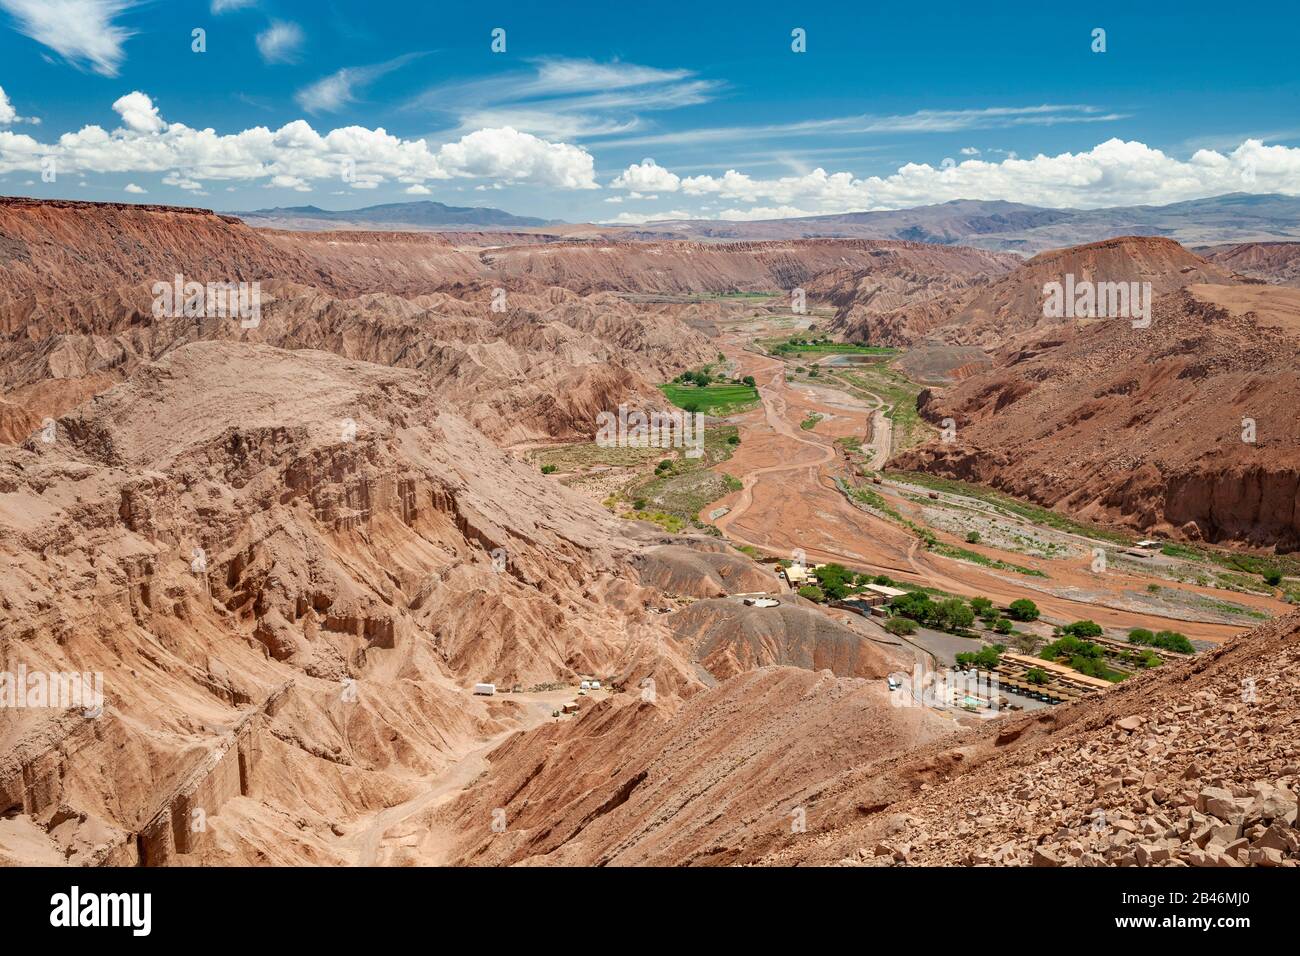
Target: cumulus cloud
[(80, 31), (418, 190), (138, 113), (645, 177), (280, 42), (637, 218), (8, 115), (134, 189), (1113, 173), (295, 155)]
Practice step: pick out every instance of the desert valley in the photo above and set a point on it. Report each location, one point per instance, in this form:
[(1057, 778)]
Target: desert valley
[(461, 463), (296, 549)]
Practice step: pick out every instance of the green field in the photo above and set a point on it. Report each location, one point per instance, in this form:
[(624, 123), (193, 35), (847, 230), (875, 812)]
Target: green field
[(787, 347), (712, 399)]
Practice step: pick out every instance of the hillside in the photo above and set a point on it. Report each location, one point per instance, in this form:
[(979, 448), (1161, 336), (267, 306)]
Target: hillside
[(1142, 427)]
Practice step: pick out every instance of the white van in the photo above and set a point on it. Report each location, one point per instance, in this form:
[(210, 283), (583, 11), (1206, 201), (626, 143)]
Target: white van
[(585, 685)]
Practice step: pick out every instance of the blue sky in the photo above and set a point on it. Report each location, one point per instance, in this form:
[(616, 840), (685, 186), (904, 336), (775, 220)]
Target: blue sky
[(624, 113)]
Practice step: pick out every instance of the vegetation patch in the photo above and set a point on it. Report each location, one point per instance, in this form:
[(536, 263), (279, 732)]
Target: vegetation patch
[(1022, 509), (965, 554)]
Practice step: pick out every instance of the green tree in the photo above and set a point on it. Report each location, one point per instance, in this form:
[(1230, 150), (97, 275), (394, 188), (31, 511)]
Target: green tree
[(986, 659), (972, 537), (1273, 577), (835, 580), (812, 592), (1023, 609), (749, 380), (1083, 629), (900, 625), (1173, 641), (1140, 635), (955, 614), (980, 604), (1002, 626)]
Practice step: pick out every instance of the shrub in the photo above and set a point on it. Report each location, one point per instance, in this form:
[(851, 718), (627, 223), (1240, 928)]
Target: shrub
[(639, 504), (1273, 577), (900, 625), (549, 469), (834, 580), (1036, 675), (986, 659), (1140, 635), (972, 537), (1173, 641), (1023, 610), (749, 380), (812, 592), (733, 439), (1002, 626)]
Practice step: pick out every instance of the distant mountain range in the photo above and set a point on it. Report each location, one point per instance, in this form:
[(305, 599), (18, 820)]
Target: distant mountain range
[(424, 214), (1015, 227), (997, 225)]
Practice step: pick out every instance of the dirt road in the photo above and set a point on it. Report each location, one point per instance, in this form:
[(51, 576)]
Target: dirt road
[(789, 504)]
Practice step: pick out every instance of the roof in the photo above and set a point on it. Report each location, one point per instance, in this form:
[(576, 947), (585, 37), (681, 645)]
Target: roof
[(886, 591)]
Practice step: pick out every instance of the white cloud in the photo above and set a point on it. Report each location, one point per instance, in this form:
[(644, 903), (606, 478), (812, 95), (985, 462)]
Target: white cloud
[(280, 42), (637, 218), (507, 154), (295, 155), (326, 95), (225, 6), (969, 151), (138, 113), (8, 114), (134, 189), (567, 98), (765, 212), (332, 93), (80, 31), (1113, 173), (418, 190), (922, 121), (646, 176)]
